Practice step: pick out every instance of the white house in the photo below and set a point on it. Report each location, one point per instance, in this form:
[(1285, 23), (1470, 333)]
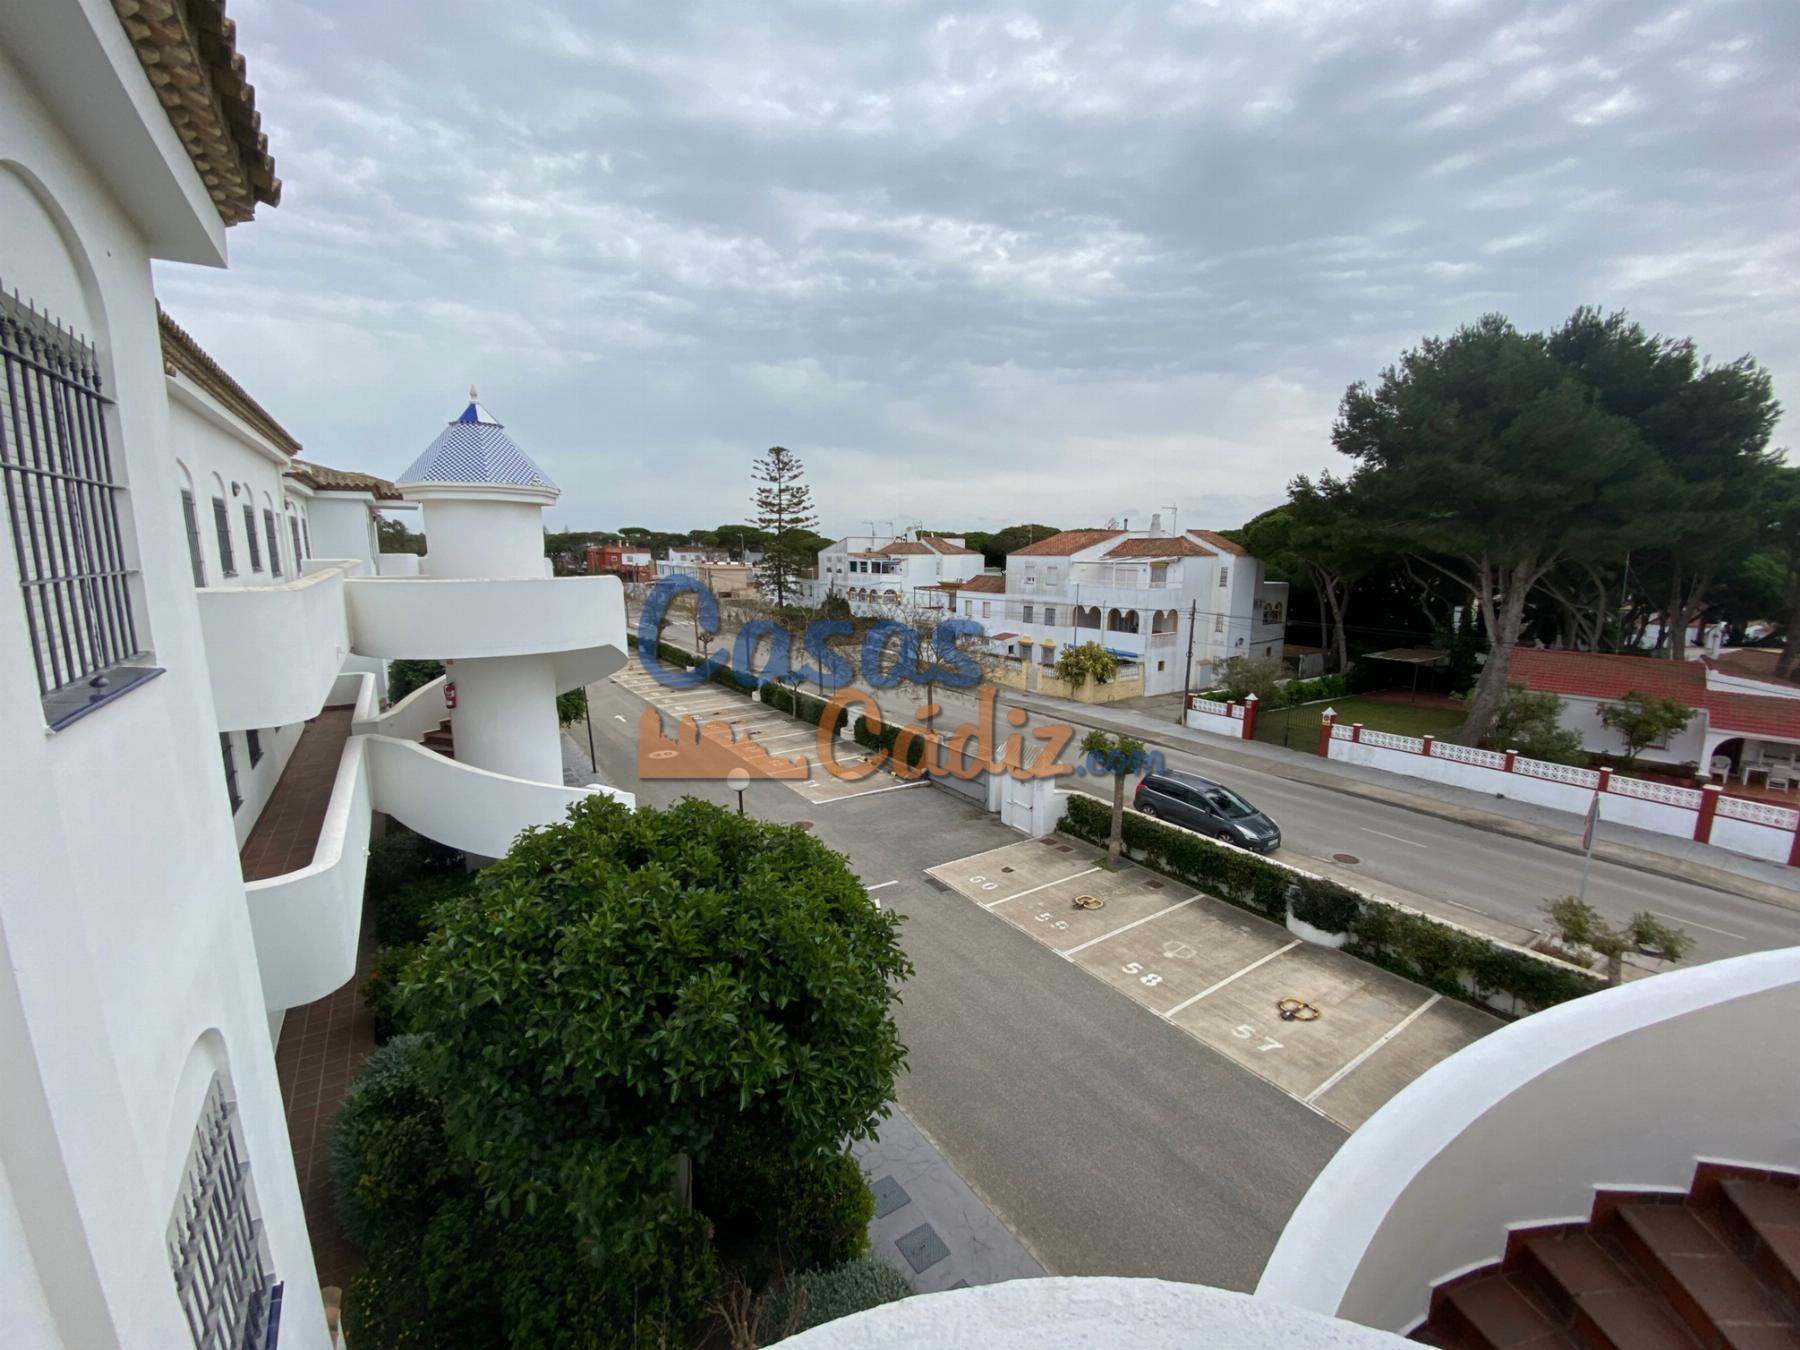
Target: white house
[(1141, 594), (1740, 726), (148, 1195), (879, 574)]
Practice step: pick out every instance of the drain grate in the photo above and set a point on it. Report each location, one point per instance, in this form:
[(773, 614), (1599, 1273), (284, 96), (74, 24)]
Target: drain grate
[(1064, 848), (1349, 858), (1153, 885), (803, 825)]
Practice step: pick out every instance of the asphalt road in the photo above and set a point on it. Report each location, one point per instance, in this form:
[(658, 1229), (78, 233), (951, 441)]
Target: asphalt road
[(1111, 1142)]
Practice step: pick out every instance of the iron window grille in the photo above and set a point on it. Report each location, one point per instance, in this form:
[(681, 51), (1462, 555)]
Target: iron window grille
[(231, 787), (274, 542), (294, 527), (306, 535), (222, 527), (250, 532), (217, 1251), (63, 504), (190, 518), (1224, 576), (253, 741)]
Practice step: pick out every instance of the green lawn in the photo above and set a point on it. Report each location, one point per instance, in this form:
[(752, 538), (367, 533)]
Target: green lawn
[(1299, 727)]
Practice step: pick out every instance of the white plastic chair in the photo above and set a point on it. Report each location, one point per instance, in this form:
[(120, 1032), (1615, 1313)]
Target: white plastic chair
[(1721, 767)]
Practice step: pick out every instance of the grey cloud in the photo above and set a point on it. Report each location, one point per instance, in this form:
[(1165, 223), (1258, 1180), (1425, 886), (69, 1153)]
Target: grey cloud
[(976, 264)]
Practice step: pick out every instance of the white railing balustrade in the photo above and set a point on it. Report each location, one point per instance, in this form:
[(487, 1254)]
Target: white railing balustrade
[(1207, 705), (1645, 790), (1468, 754), (1340, 732), (1557, 773), (1759, 813), (1387, 740)]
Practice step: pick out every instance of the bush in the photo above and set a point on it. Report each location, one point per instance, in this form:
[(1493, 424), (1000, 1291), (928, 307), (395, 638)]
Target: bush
[(389, 1160), (820, 1296), (1090, 661), (571, 706), (406, 676), (1241, 676), (399, 856), (1529, 721), (1461, 965), (381, 992), (778, 696), (1295, 692), (815, 1210), (810, 709), (403, 915)]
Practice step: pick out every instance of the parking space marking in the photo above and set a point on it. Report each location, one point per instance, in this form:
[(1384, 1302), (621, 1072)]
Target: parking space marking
[(1380, 1041), (1695, 923), (1396, 838), (1125, 928), (880, 885), (1019, 895), (1214, 988), (870, 792)]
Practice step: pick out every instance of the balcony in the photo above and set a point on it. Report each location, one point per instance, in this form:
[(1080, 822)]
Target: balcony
[(304, 860), (436, 619), (273, 651)]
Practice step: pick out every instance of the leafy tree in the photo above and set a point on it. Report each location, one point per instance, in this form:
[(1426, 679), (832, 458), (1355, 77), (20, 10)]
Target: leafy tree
[(394, 537), (1090, 661), (1314, 535), (406, 675), (997, 545), (1783, 511), (1708, 427), (1119, 756), (1644, 719), (389, 1163), (1242, 676), (1481, 456), (1579, 924), (784, 511), (627, 990), (571, 706), (1530, 721)]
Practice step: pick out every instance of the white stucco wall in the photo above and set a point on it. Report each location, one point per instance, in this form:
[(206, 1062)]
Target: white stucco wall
[(1626, 1088), (222, 453), (122, 818), (343, 526)]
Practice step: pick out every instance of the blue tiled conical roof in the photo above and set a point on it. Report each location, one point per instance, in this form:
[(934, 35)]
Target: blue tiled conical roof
[(475, 449)]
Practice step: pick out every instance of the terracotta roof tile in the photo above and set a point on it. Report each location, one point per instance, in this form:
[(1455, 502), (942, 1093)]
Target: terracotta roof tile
[(1601, 675), (1220, 542), (1159, 546), (987, 582), (938, 544), (1065, 542), (321, 479), (183, 356), (901, 548), (188, 49)]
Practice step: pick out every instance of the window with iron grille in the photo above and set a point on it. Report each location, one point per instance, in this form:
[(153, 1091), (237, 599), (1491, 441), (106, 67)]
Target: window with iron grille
[(190, 518), (250, 533), (222, 527), (231, 787), (306, 535), (253, 742), (1224, 575), (274, 542), (63, 503), (216, 1248), (294, 528)]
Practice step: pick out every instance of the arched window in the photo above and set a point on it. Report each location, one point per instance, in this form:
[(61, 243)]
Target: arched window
[(217, 1252)]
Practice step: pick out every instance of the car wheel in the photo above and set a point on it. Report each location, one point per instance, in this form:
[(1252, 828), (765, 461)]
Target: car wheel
[(1226, 837), (1146, 810)]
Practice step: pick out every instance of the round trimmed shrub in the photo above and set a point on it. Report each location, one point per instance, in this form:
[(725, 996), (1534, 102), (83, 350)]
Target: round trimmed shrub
[(389, 1157), (404, 915), (820, 1296)]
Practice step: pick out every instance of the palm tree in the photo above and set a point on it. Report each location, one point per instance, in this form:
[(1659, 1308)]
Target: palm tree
[(1120, 756)]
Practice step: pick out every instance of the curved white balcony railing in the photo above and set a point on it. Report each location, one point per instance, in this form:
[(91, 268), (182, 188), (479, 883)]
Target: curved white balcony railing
[(273, 651), (1625, 1088), (427, 618), (1064, 1313), (305, 923)]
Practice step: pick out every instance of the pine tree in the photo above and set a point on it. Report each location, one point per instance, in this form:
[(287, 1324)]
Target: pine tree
[(784, 511)]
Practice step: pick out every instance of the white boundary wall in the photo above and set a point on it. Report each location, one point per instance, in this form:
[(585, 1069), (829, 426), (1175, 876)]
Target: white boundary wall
[(1758, 829)]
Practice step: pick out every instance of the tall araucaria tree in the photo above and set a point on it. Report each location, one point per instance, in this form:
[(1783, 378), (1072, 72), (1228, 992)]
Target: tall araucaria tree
[(784, 511), (1480, 456)]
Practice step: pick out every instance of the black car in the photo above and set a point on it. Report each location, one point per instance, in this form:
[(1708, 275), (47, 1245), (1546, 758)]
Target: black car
[(1208, 807)]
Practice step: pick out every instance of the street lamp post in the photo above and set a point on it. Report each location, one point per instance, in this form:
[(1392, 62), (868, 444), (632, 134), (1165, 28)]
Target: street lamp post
[(738, 780)]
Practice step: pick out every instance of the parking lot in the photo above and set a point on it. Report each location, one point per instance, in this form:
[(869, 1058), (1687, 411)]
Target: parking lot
[(754, 723), (1355, 1036)]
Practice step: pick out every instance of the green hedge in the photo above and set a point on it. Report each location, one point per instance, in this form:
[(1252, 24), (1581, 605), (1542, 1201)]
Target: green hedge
[(870, 739), (1311, 691), (815, 1297), (1455, 963)]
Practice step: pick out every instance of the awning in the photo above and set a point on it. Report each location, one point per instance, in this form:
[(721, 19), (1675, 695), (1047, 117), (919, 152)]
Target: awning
[(1133, 657), (1411, 656), (1001, 637)]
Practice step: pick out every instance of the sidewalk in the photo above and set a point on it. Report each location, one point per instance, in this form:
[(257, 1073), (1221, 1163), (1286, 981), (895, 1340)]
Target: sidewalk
[(1630, 847), (1624, 845)]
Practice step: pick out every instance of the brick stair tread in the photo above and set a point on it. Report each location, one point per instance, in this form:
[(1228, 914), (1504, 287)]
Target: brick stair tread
[(1634, 1318), (1763, 1202), (1575, 1264), (1499, 1314), (1722, 1290)]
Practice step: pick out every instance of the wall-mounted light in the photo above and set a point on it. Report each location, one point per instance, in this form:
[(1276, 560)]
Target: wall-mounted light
[(236, 488)]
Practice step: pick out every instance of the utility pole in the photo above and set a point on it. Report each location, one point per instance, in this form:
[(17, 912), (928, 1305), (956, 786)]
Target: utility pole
[(1187, 669)]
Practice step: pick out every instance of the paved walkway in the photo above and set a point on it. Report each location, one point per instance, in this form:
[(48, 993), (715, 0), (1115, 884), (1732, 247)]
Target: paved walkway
[(929, 1225), (322, 1044)]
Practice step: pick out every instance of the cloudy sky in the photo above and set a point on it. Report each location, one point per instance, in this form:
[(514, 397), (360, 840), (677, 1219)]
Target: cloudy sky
[(976, 264)]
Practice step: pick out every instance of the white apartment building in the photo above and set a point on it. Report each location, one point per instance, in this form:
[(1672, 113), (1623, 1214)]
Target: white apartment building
[(880, 574), (147, 1186), (1141, 594)]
